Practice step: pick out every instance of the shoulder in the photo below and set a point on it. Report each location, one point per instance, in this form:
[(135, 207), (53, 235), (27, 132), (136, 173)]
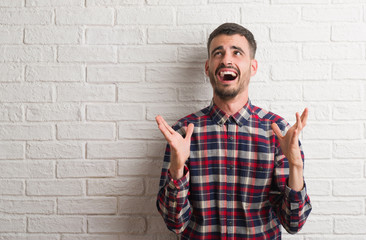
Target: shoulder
[(265, 116), (191, 118)]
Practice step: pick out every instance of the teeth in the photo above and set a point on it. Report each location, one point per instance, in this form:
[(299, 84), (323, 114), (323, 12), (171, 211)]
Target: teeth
[(222, 74)]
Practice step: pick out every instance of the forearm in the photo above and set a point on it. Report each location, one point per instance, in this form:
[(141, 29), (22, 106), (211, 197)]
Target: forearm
[(296, 178)]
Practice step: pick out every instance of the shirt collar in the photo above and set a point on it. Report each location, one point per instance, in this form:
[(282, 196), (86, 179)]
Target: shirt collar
[(220, 117)]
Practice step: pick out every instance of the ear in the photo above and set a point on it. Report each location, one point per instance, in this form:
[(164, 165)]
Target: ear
[(253, 67), (206, 67)]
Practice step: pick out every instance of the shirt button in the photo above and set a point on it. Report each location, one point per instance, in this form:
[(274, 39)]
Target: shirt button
[(231, 138), (230, 223)]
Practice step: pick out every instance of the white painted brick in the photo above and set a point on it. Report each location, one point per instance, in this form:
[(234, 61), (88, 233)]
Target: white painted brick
[(54, 188), (52, 35), (11, 113), (156, 225), (87, 16), (105, 205), (82, 169), (90, 54), (53, 112), (237, 1), (332, 92), (11, 73), (331, 14), (335, 237), (317, 187), (300, 33), (115, 187), (89, 237), (54, 150), (115, 73), (11, 150), (11, 35), (320, 225), (115, 36), (11, 3), (26, 169), (333, 131), (152, 185), (276, 92), (13, 224), (192, 54), (348, 1), (55, 73), (278, 52), (349, 187), (301, 71), (11, 187), (127, 236), (349, 71), (317, 149), (171, 112), (349, 32), (28, 54), (113, 2), (139, 131), (116, 225), (148, 54), (86, 93), (28, 16), (311, 2), (350, 149), (273, 14), (176, 36), (58, 224), (156, 149), (175, 74), (54, 3), (139, 167), (16, 93), (86, 131), (145, 15), (326, 169), (338, 207), (27, 206), (196, 93), (124, 149), (25, 236), (335, 51), (176, 2), (26, 132), (114, 112), (354, 225), (146, 94), (319, 111), (207, 15), (136, 205)]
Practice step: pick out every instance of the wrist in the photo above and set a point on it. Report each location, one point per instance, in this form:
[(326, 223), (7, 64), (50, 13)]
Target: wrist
[(176, 173)]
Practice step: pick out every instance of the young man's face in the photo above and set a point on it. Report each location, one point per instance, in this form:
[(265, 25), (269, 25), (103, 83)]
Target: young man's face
[(229, 65)]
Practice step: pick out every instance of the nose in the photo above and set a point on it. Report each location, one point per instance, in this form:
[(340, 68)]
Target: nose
[(227, 60)]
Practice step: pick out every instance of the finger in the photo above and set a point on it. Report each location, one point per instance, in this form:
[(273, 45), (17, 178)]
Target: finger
[(189, 131), (304, 117), (163, 128), (298, 124), (162, 121), (276, 130)]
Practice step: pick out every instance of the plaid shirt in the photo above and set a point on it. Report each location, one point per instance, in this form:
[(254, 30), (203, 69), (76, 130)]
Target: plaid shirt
[(235, 181)]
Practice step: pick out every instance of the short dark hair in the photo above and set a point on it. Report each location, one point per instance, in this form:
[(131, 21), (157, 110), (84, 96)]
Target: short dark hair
[(232, 29)]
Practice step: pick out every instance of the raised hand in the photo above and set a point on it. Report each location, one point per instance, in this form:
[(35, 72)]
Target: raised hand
[(179, 146)]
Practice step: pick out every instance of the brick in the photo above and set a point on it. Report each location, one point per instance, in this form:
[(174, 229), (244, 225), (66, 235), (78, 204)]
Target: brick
[(54, 150), (148, 54), (58, 224), (139, 131), (105, 205), (349, 149), (175, 36), (335, 207), (27, 54), (196, 93), (139, 167), (192, 54), (84, 169), (115, 73), (170, 112), (300, 33), (84, 16), (89, 237), (116, 36), (27, 16), (145, 15), (33, 93), (317, 187), (13, 224), (86, 131), (237, 1), (86, 93), (169, 74), (138, 94), (332, 92), (152, 185), (348, 187), (11, 150), (317, 149), (319, 225), (354, 225), (127, 236), (275, 93), (331, 14), (11, 3), (113, 2), (301, 71), (333, 131), (176, 2), (273, 14), (329, 51), (55, 188), (348, 1), (26, 132), (349, 32), (113, 224), (27, 206), (54, 3), (335, 237), (26, 169), (130, 149), (114, 112), (206, 15), (349, 71), (115, 187), (53, 112), (11, 113), (320, 112), (278, 52), (310, 2), (136, 205), (25, 236), (11, 187), (52, 35), (326, 169), (55, 73), (11, 72), (11, 35), (91, 54)]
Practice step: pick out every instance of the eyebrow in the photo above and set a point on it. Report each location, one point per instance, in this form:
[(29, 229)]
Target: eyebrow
[(232, 47)]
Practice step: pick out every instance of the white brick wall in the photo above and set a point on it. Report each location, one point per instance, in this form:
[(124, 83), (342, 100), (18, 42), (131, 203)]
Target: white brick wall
[(82, 80)]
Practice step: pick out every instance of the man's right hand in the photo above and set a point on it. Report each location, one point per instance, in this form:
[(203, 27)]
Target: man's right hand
[(179, 146)]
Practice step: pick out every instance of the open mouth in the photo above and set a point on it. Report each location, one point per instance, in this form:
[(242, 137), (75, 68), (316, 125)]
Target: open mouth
[(228, 75)]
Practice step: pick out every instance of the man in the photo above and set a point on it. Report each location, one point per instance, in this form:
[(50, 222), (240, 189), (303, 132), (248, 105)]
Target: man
[(232, 170)]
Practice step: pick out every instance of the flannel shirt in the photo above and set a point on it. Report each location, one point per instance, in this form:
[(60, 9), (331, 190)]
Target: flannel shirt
[(235, 180)]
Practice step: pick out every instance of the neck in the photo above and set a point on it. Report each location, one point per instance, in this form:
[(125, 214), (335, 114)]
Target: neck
[(233, 105)]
